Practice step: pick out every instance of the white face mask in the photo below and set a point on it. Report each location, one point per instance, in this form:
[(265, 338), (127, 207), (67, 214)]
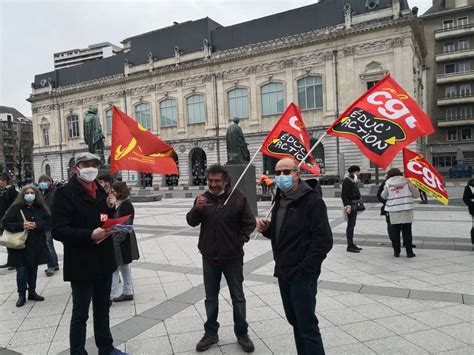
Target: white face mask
[(88, 174)]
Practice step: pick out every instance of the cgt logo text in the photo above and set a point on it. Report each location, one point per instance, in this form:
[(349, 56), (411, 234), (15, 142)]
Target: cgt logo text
[(426, 174)]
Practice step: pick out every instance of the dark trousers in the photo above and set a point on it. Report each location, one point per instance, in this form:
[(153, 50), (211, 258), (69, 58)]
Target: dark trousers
[(299, 301), (405, 229), (26, 279), (52, 256), (82, 293), (233, 272), (351, 222)]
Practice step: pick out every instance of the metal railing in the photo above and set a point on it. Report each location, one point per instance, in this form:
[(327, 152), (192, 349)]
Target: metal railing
[(447, 29), (445, 75), (454, 51)]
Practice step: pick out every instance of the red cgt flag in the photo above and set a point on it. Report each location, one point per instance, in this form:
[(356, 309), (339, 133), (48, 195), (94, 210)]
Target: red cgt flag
[(136, 148), (289, 138), (424, 176), (382, 122)]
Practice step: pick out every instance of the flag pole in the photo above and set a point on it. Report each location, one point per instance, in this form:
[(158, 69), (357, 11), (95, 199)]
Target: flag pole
[(312, 148), (266, 217), (243, 173)]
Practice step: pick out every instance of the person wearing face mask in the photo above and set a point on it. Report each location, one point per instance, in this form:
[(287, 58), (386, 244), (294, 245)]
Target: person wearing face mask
[(80, 208), (224, 230), (45, 185), (30, 203), (349, 195), (301, 238)]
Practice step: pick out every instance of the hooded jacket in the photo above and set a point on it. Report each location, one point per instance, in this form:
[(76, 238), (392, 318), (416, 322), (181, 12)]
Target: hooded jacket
[(224, 229), (305, 236), (399, 193)]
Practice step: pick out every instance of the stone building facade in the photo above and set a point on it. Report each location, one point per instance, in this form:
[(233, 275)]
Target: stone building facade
[(321, 57)]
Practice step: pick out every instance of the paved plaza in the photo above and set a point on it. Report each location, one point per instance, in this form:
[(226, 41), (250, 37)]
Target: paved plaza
[(367, 303)]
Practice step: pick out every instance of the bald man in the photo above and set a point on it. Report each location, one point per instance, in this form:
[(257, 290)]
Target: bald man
[(301, 238)]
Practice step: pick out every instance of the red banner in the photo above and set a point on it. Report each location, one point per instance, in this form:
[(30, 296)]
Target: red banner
[(424, 176), (382, 122), (289, 138), (135, 148)]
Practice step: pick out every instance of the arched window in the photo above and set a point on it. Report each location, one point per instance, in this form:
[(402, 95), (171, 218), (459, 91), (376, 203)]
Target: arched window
[(143, 115), (73, 126), (310, 92), (238, 103), (108, 121), (273, 101), (47, 170), (196, 110), (168, 113)]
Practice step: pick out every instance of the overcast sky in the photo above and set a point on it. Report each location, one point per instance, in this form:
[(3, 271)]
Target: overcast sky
[(31, 31)]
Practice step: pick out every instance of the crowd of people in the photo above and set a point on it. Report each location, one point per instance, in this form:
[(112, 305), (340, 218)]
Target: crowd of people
[(96, 258)]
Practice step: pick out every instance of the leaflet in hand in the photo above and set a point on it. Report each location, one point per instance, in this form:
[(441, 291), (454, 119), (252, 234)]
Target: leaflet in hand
[(109, 224)]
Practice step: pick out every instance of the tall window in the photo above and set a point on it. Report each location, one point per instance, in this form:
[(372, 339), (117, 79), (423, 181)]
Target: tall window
[(45, 135), (462, 21), (464, 67), (47, 169), (451, 134), (463, 44), (448, 47), (143, 115), (73, 126), (238, 103), (448, 24), (196, 109), (310, 92), (272, 99), (466, 134), (450, 91), (449, 68), (108, 121), (465, 89), (168, 113)]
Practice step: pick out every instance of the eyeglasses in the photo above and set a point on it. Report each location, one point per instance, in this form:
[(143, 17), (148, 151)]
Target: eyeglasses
[(284, 171)]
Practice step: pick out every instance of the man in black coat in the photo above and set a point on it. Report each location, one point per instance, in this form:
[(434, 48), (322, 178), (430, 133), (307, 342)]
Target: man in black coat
[(224, 230), (468, 199), (301, 238), (79, 210)]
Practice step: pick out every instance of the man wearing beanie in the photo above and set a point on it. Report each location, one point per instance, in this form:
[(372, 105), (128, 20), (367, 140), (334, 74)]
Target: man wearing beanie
[(350, 196)]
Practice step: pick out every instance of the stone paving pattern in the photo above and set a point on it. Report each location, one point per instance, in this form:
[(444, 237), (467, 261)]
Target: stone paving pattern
[(367, 303)]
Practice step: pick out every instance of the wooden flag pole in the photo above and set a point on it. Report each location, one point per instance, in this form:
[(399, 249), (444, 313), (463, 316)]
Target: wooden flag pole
[(242, 175), (312, 148)]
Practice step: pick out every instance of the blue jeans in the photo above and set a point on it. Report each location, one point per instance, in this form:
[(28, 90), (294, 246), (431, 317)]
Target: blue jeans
[(26, 279), (299, 301), (233, 272), (53, 257), (351, 222), (126, 272)]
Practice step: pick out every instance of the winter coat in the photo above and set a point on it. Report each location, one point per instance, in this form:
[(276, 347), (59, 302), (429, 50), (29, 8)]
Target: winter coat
[(35, 252), (7, 196), (468, 196), (125, 244), (399, 193), (224, 229), (382, 200), (305, 235), (350, 191), (74, 217)]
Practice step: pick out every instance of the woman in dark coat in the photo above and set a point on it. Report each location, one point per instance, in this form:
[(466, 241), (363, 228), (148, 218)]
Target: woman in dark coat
[(35, 253), (468, 199), (125, 244)]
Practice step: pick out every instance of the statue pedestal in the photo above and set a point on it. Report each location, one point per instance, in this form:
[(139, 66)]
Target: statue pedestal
[(248, 183)]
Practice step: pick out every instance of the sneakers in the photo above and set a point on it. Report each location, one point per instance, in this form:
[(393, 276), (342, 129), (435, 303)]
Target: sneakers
[(33, 296), (21, 301), (353, 248), (206, 342), (122, 298), (246, 344)]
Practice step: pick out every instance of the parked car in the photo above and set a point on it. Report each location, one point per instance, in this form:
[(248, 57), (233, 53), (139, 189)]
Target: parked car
[(460, 171)]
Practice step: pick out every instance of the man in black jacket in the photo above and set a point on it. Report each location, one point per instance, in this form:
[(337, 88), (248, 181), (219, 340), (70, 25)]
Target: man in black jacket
[(350, 195), (301, 238), (79, 210), (468, 199), (8, 194), (224, 230)]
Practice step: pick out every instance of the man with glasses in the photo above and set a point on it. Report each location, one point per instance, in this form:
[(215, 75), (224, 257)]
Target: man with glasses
[(301, 238)]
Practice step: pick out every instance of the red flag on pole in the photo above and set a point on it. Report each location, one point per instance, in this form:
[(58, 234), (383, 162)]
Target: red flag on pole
[(289, 138), (424, 176), (382, 122), (136, 148)]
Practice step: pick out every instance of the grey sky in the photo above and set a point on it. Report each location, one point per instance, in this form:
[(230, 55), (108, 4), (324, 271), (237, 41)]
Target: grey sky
[(31, 31)]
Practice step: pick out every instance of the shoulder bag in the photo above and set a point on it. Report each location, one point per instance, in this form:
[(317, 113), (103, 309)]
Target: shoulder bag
[(14, 240)]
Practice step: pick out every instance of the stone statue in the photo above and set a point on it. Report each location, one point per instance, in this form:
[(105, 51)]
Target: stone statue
[(237, 151), (93, 135)]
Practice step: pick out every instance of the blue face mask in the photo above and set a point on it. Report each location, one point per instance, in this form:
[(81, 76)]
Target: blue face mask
[(284, 182), (43, 185), (30, 197)]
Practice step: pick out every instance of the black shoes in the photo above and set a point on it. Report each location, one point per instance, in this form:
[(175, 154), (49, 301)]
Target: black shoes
[(21, 301), (122, 298), (353, 248), (33, 296), (246, 344), (410, 254), (49, 271), (4, 266), (206, 342)]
